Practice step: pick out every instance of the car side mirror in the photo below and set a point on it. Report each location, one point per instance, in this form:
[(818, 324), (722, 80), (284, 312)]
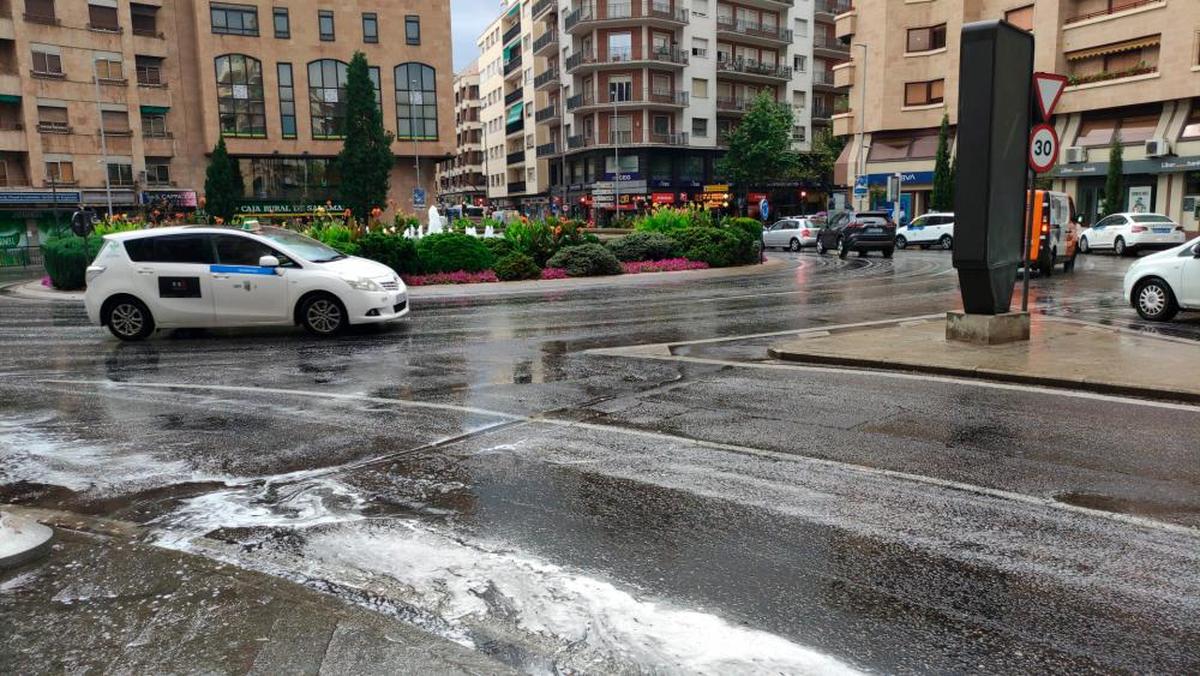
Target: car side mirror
[(1196, 251), (268, 262)]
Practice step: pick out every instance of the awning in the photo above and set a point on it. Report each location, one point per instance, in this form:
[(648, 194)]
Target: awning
[(155, 110), (1115, 48), (514, 113), (10, 98)]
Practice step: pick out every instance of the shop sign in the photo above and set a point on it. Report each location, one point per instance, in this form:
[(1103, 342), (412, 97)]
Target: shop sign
[(285, 208), (185, 199), (100, 197), (34, 197), (720, 187), (907, 177), (662, 198)]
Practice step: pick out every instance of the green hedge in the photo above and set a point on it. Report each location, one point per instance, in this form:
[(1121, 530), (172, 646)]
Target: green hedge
[(451, 252), (516, 266), (394, 251), (644, 246), (586, 260), (66, 259), (499, 246), (719, 247)]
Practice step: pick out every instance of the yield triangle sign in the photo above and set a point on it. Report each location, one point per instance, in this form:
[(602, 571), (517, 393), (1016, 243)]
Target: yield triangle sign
[(1048, 89)]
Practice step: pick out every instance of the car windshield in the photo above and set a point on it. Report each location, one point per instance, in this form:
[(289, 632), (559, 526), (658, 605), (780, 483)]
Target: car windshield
[(306, 247), (1150, 218)]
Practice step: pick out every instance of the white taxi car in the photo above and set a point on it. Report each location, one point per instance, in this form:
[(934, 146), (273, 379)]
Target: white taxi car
[(934, 229), (200, 277), (1161, 284), (1127, 233)]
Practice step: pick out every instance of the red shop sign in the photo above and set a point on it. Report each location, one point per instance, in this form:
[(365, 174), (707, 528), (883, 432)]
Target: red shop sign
[(662, 197)]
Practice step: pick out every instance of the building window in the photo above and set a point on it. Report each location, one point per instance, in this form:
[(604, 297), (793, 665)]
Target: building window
[(699, 88), (1130, 125), (53, 119), (60, 172), (416, 102), (109, 69), (287, 100), (241, 104), (373, 73), (799, 63), (41, 11), (1021, 17), (802, 27), (370, 27), (46, 63), (412, 29), (120, 174), (154, 125), (149, 70), (927, 38), (700, 47), (115, 122), (325, 24), (923, 93), (158, 171), (1191, 129), (144, 19), (103, 18), (234, 19), (283, 23), (700, 127), (327, 98)]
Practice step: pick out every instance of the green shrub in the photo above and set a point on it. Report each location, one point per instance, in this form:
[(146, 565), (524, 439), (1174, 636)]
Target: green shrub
[(337, 236), (644, 246), (534, 239), (499, 246), (719, 247), (394, 251), (586, 260), (516, 266), (750, 226), (669, 220), (451, 252), (66, 259), (107, 227)]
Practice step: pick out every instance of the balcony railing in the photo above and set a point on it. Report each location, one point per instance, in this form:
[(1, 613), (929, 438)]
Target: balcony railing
[(823, 77), (756, 30), (512, 33), (548, 113), (514, 127), (626, 138), (827, 42), (547, 149), (513, 64), (614, 10), (516, 157), (545, 39), (541, 6), (516, 187), (627, 98), (1112, 10), (545, 78), (751, 67), (672, 56), (514, 96), (822, 111), (731, 104), (833, 6)]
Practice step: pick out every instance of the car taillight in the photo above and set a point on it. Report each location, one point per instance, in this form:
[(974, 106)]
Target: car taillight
[(855, 224), (804, 233), (1138, 228)]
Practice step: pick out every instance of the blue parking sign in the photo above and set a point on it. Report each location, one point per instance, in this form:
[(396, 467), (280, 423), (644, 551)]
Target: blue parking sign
[(418, 197)]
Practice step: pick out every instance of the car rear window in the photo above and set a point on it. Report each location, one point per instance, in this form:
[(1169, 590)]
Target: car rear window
[(188, 248), (1150, 218)]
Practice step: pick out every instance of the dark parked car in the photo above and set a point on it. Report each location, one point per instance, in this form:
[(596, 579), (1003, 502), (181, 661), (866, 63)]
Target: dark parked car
[(862, 232)]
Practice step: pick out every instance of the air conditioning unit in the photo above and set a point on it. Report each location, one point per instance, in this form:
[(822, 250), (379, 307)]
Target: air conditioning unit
[(1157, 147), (1075, 154)]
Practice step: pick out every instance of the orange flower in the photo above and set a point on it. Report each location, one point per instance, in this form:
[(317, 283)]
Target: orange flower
[(219, 220), (346, 213), (179, 215)]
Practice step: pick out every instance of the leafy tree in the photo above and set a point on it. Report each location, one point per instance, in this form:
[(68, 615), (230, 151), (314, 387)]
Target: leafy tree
[(1114, 185), (815, 167), (760, 148), (943, 174), (366, 157), (222, 188)]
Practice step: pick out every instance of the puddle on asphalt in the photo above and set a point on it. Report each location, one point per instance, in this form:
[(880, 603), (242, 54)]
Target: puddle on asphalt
[(1170, 511)]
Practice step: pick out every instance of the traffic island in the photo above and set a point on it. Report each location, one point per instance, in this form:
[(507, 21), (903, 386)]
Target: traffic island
[(1059, 353)]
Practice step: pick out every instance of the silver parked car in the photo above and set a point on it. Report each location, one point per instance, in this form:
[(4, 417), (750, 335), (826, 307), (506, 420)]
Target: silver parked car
[(791, 233)]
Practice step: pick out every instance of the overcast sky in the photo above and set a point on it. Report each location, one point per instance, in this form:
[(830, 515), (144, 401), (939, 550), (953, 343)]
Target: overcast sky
[(468, 18)]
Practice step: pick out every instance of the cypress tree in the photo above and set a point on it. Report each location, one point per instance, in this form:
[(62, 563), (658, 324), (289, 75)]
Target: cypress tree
[(1113, 186), (221, 191), (943, 175), (366, 158)]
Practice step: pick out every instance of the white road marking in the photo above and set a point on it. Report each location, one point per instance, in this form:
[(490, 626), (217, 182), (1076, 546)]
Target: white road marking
[(774, 455)]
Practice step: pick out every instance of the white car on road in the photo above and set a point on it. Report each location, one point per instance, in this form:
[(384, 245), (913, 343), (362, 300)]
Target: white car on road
[(791, 233), (925, 231), (1160, 285), (1127, 233), (200, 277)]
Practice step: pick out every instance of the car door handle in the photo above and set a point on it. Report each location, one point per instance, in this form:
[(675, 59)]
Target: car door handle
[(216, 276), (145, 271)]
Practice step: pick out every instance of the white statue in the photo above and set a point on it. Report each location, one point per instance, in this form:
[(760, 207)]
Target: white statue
[(435, 221)]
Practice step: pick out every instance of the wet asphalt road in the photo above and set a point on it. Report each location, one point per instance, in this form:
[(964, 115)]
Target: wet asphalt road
[(495, 472)]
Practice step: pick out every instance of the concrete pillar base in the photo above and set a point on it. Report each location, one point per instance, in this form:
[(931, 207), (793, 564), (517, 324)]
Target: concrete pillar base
[(22, 540), (1010, 327)]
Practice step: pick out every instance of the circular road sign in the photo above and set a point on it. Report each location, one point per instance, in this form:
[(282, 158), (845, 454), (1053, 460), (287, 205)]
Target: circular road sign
[(1043, 148)]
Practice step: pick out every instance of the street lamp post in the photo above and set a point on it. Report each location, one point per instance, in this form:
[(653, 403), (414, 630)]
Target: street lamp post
[(103, 140), (861, 162), (612, 135), (413, 91)]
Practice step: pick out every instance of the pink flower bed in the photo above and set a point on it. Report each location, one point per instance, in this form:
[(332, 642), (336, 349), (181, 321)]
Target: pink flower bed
[(459, 277), (554, 273), (668, 265)]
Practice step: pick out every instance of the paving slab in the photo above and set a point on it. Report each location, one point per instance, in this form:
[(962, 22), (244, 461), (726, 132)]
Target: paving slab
[(1060, 353)]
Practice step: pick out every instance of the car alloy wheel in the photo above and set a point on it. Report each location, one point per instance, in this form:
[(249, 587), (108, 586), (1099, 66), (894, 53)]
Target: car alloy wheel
[(1119, 246), (947, 242), (323, 316), (1154, 301), (127, 320), (901, 242), (1083, 245), (794, 245)]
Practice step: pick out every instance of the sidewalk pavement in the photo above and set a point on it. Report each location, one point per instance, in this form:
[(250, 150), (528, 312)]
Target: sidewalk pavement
[(1060, 353), (103, 602)]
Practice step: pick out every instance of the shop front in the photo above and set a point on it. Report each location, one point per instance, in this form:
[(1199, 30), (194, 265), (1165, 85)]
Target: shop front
[(28, 217), (1168, 186)]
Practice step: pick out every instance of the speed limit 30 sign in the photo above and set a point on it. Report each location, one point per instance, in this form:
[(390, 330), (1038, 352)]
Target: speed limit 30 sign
[(1043, 148)]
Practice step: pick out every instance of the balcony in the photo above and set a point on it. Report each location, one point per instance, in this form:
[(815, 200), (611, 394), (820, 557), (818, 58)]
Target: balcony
[(547, 80), (603, 13), (624, 139), (542, 6), (514, 96), (516, 187), (515, 157), (843, 124), (846, 25), (824, 80), (581, 61), (546, 43), (826, 10), (512, 33), (515, 127), (754, 33), (513, 65), (843, 75), (830, 45), (652, 99), (1109, 11), (12, 138), (823, 111), (733, 105), (548, 150), (754, 70), (550, 112)]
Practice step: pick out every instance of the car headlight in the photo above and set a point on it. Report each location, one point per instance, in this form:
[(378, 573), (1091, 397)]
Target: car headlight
[(363, 284)]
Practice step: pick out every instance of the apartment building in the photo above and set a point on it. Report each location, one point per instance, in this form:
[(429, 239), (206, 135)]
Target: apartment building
[(112, 100), (1134, 69), (461, 179), (604, 106)]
